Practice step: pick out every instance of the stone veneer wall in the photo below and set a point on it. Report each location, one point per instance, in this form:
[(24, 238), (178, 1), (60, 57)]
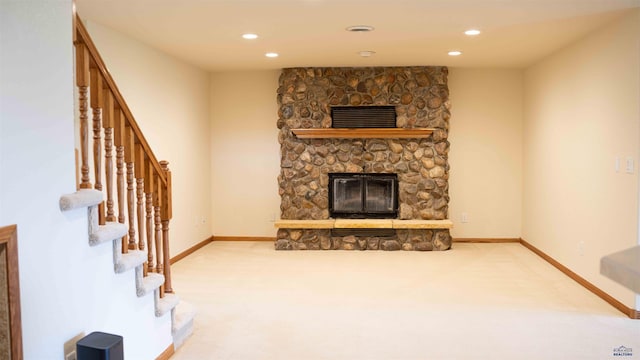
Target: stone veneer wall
[(421, 97)]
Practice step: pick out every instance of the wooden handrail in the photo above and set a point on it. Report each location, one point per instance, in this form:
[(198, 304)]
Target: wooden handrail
[(82, 35), (144, 206)]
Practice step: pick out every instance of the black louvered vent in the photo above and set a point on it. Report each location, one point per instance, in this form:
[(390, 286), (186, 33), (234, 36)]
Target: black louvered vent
[(363, 117)]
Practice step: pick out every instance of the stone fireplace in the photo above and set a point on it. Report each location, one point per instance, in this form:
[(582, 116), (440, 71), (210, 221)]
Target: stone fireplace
[(421, 99)]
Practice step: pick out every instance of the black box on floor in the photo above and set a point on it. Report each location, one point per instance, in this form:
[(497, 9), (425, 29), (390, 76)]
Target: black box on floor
[(100, 346)]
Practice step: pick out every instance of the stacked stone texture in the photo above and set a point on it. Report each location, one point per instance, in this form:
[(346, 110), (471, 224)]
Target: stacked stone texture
[(421, 97), (405, 239)]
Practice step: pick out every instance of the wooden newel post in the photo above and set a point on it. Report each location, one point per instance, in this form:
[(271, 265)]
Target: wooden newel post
[(159, 265), (149, 186), (166, 217), (158, 226)]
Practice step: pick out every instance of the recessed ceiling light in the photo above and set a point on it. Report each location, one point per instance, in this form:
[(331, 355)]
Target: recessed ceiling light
[(249, 36), (366, 53), (455, 53), (360, 28), (271, 55), (472, 32)]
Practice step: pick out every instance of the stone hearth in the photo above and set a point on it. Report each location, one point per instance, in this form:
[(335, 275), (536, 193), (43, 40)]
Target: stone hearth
[(421, 98)]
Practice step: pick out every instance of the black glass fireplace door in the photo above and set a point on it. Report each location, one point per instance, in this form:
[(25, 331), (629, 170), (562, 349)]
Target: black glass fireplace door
[(363, 195)]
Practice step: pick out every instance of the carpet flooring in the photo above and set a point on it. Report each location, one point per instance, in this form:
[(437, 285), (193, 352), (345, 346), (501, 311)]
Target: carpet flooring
[(476, 301)]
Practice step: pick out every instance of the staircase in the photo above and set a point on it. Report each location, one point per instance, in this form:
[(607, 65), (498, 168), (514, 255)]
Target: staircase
[(129, 204)]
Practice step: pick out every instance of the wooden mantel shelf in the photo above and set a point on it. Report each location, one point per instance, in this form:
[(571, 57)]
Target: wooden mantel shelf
[(362, 133)]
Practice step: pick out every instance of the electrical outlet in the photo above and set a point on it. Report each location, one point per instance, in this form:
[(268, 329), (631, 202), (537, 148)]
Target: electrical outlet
[(464, 217), (617, 164), (581, 248), (69, 347), (630, 168)]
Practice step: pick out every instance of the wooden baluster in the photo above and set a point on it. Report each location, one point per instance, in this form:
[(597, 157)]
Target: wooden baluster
[(119, 140), (139, 159), (107, 124), (149, 189), (97, 99), (158, 223), (129, 150), (157, 203), (166, 217), (82, 81)]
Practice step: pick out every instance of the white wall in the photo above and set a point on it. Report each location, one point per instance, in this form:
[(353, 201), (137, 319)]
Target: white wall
[(486, 152), (581, 112), (485, 157), (245, 153), (170, 101), (67, 288)]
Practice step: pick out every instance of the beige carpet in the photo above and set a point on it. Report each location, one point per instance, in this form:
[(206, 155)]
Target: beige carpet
[(477, 301)]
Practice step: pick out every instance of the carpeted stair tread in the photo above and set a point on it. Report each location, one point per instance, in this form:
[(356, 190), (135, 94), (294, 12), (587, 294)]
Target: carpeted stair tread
[(147, 284), (166, 304), (108, 232), (182, 327), (181, 319), (80, 199), (130, 260)]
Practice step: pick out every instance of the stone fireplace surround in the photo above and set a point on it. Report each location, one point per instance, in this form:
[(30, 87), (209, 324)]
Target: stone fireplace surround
[(421, 98)]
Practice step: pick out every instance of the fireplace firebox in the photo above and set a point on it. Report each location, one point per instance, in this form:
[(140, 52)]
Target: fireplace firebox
[(363, 195)]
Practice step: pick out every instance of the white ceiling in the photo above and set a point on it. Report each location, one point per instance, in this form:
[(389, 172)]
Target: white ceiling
[(207, 33)]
